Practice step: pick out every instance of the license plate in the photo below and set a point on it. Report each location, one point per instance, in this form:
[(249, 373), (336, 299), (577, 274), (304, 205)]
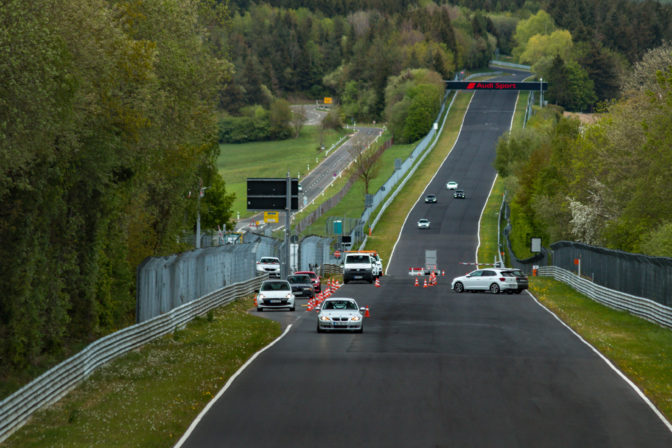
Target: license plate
[(358, 277), (275, 301), (340, 324)]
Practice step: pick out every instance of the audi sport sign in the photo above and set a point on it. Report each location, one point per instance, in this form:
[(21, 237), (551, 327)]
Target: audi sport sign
[(491, 85)]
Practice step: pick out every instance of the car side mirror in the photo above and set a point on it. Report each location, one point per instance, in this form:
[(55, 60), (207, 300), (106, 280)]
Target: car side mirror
[(362, 309), (256, 291)]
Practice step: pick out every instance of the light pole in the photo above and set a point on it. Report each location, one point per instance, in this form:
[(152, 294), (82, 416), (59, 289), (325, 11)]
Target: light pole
[(541, 92), (201, 193)]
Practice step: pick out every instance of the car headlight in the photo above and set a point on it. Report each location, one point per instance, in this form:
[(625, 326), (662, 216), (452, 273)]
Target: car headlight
[(260, 296), (324, 318), (355, 318), (289, 296)]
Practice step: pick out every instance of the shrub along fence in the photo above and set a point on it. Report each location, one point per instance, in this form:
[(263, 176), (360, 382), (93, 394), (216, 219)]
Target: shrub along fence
[(16, 409)]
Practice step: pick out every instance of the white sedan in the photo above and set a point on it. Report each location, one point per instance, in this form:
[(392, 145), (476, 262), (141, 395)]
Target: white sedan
[(452, 185), (275, 294), (340, 313), (423, 223)]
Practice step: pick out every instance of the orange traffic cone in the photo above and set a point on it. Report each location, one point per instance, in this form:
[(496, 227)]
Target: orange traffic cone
[(310, 305), (416, 281), (366, 313), (425, 285), (377, 283), (443, 273)]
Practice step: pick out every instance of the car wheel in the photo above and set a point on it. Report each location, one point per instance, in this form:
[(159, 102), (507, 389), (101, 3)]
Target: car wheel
[(509, 291), (292, 309), (319, 330), (518, 291), (361, 329), (494, 288), (459, 287), (260, 310)]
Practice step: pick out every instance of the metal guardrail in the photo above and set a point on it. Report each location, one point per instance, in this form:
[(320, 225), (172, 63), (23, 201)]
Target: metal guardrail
[(16, 409), (639, 306)]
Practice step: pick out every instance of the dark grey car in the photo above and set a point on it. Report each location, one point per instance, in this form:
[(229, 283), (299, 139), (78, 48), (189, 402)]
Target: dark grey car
[(302, 286)]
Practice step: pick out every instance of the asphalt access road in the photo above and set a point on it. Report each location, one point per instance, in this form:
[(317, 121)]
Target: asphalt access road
[(322, 175), (434, 368)]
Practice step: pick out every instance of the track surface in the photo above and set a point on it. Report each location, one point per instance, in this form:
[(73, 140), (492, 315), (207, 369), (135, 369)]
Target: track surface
[(434, 368)]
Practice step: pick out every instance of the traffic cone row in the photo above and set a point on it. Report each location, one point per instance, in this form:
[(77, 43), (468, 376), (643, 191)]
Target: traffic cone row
[(433, 281), (316, 301)]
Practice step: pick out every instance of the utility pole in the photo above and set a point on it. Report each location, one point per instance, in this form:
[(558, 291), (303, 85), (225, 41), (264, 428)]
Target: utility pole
[(541, 92), (201, 193), (288, 211)]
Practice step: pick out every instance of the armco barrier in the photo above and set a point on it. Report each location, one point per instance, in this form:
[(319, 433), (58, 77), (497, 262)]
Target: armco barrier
[(639, 306), (16, 409)]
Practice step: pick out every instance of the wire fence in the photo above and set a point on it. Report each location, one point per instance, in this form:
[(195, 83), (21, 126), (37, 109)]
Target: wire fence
[(635, 274), (639, 306), (164, 283)]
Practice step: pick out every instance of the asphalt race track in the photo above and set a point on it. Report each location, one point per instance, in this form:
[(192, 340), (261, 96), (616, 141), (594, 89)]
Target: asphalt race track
[(434, 368)]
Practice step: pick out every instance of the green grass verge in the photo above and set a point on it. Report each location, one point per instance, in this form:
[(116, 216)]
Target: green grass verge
[(487, 250), (640, 349), (149, 397), (237, 162)]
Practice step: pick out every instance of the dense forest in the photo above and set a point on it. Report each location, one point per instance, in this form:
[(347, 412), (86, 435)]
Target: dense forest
[(111, 111), (602, 183)]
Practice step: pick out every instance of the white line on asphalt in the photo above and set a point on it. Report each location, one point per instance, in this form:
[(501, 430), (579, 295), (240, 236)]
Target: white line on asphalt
[(430, 181), (610, 364), (226, 386)]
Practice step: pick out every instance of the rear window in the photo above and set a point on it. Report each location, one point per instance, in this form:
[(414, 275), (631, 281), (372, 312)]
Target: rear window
[(298, 279), (357, 259), (275, 286)]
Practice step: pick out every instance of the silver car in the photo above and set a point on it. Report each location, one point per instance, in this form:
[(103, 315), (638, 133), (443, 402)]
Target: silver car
[(275, 294), (423, 223), (340, 313)]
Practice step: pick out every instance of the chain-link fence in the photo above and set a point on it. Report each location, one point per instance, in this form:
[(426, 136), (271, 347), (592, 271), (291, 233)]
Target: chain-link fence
[(635, 274), (164, 283)]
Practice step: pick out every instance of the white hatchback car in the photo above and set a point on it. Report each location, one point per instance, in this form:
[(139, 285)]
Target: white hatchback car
[(494, 280), (452, 185), (340, 313), (423, 223), (275, 294)]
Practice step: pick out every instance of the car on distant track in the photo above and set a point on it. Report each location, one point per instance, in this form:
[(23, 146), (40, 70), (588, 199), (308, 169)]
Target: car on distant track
[(302, 285), (340, 313), (430, 199), (317, 282), (274, 294), (423, 223), (495, 280), (451, 185), (269, 265), (458, 194)]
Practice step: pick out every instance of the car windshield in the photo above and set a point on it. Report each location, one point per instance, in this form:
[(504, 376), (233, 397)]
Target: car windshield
[(340, 305), (298, 279), (269, 260), (358, 259), (275, 286)]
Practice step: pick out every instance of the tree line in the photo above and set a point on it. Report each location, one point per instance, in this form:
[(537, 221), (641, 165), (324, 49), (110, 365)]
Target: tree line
[(602, 183), (107, 122)]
